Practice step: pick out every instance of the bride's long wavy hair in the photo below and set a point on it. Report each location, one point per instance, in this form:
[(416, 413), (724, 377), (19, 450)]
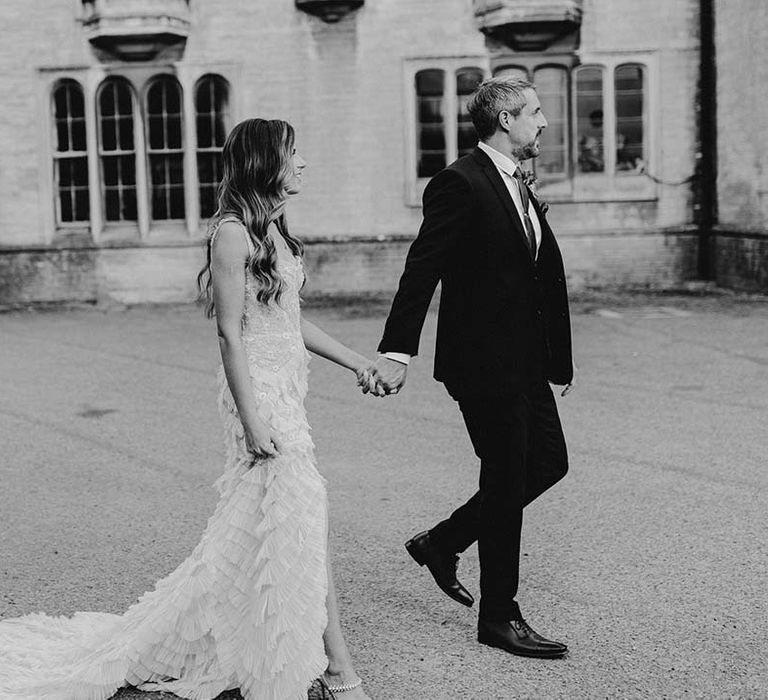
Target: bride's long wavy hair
[(257, 168)]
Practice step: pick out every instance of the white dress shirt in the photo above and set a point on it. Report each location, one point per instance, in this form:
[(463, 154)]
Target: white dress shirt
[(506, 167)]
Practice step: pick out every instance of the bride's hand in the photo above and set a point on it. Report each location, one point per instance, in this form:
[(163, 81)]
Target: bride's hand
[(261, 440), (366, 380)]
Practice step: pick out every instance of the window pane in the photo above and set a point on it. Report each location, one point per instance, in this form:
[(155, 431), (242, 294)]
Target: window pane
[(110, 171), (65, 173), (116, 116), (430, 128), (82, 212), (125, 127), (430, 164), (112, 205), (119, 178), (69, 119), (129, 205), (207, 201), (60, 103), (174, 132), (467, 80), (80, 172), (430, 83), (71, 175), (62, 135), (204, 135), (432, 138), (65, 205), (167, 186), (589, 120), (431, 110), (108, 135), (128, 170), (156, 133), (220, 129), (107, 100), (552, 89), (629, 88), (78, 135)]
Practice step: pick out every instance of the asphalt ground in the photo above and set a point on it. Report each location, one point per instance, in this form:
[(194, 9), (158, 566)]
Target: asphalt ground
[(649, 559)]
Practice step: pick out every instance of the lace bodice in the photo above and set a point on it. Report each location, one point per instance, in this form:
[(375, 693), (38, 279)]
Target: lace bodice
[(277, 358)]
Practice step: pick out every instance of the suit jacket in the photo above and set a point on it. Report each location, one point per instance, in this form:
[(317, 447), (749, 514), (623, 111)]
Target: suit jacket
[(503, 319)]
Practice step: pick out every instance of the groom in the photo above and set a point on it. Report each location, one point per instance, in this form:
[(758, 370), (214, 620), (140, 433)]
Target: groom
[(503, 335)]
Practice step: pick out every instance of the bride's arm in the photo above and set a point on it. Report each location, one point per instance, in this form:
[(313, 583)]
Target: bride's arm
[(229, 256), (320, 343)]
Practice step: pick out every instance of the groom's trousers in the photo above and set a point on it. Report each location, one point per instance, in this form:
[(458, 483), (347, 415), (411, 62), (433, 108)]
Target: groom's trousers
[(520, 443)]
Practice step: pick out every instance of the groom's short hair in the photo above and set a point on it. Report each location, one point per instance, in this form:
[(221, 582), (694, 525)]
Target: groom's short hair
[(493, 96)]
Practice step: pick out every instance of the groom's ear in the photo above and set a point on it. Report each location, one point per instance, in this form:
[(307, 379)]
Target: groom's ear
[(504, 120)]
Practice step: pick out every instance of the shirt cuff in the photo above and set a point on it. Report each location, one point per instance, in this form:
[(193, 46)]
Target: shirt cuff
[(401, 357)]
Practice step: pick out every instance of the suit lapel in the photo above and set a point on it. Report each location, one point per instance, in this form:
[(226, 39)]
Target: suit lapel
[(501, 190)]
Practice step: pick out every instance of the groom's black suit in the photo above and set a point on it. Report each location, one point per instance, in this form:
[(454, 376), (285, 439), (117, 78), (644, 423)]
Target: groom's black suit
[(503, 334)]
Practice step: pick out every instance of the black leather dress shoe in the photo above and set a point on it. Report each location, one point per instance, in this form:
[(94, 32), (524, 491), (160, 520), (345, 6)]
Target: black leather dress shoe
[(442, 567), (517, 637)]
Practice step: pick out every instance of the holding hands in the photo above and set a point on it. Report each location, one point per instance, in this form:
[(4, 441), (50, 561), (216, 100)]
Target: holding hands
[(383, 377)]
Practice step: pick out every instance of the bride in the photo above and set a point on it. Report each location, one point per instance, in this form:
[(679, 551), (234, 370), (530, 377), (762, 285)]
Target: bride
[(253, 607)]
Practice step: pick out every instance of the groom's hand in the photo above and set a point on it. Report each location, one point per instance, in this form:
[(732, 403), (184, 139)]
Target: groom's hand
[(390, 374)]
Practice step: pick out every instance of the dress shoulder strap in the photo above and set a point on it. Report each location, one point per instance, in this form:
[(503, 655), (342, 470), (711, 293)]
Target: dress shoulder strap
[(234, 220)]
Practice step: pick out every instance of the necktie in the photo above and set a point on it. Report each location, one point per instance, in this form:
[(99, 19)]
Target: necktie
[(530, 233)]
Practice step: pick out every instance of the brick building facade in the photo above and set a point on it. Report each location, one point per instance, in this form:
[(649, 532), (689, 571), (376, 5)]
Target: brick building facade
[(114, 113)]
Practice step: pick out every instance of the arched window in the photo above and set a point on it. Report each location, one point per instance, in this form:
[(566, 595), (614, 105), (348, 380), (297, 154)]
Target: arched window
[(552, 89), (165, 148), (212, 117), (467, 80), (117, 150), (589, 120), (70, 157), (629, 86), (430, 122)]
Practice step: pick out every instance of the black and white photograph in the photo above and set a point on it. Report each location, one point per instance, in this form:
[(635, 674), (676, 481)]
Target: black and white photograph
[(383, 349)]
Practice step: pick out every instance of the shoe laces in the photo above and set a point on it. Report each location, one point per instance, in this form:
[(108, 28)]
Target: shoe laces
[(524, 626)]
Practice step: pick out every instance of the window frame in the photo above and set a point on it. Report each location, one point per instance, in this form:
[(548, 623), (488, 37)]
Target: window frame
[(148, 151), (414, 185), (101, 153), (56, 156), (226, 118), (575, 186), (97, 230), (613, 185)]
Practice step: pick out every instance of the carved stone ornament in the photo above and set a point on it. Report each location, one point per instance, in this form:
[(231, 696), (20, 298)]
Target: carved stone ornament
[(530, 25), (329, 10), (136, 29)]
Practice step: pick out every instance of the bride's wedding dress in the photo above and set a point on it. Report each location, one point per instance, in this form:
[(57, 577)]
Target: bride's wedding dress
[(247, 608)]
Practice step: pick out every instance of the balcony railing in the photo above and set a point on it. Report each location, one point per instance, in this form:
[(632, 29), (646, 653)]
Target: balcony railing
[(529, 25), (136, 29)]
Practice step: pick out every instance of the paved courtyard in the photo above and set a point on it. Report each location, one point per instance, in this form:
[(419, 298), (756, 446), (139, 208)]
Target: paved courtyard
[(649, 559)]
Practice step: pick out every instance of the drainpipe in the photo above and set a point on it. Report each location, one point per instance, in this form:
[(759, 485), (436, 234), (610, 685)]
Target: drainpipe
[(705, 191)]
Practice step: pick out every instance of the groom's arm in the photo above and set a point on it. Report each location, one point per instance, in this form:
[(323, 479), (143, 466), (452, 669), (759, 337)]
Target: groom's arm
[(447, 203)]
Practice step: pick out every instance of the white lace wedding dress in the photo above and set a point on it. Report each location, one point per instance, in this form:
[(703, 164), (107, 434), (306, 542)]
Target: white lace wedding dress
[(247, 608)]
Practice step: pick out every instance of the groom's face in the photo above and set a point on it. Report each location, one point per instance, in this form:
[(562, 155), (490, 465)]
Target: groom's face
[(525, 128)]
